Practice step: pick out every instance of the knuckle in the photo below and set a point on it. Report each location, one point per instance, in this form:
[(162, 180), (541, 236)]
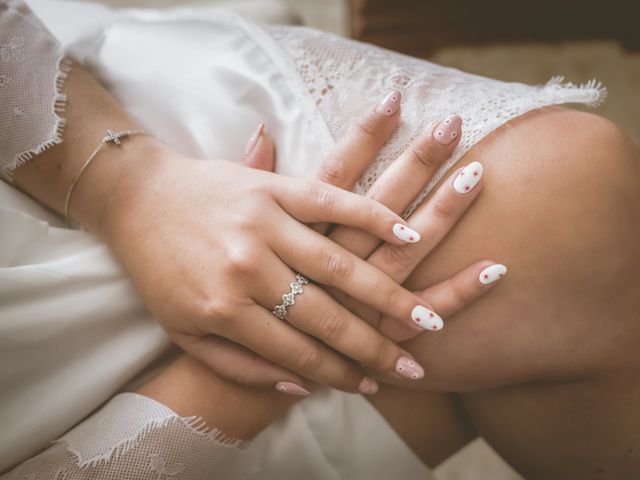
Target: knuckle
[(214, 310), (308, 360), (442, 210), (338, 267), (324, 200), (459, 294), (364, 131), (393, 299), (331, 326), (372, 215), (333, 171), (423, 157), (240, 260), (397, 256)]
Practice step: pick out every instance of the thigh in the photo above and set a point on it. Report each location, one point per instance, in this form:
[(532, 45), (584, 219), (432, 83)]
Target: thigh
[(545, 364)]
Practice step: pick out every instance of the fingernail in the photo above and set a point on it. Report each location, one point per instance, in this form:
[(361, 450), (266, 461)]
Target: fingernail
[(468, 178), (492, 273), (427, 319), (292, 389), (409, 368), (368, 386), (390, 104), (448, 130), (253, 140), (405, 233)]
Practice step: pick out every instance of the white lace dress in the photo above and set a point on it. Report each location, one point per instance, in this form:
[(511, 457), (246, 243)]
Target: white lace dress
[(72, 330)]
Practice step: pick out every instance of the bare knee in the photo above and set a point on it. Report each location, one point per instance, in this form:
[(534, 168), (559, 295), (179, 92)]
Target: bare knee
[(560, 207)]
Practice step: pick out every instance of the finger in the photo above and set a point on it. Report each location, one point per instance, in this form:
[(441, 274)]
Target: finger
[(259, 152), (434, 219), (405, 179), (451, 295), (257, 329), (318, 258), (314, 312), (361, 144), (240, 365), (315, 202)]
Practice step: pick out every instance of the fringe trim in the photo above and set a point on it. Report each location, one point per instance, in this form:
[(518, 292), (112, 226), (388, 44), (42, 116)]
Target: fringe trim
[(196, 424), (592, 93), (58, 109)]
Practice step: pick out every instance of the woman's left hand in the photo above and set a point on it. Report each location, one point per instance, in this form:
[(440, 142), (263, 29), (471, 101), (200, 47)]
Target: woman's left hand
[(396, 189)]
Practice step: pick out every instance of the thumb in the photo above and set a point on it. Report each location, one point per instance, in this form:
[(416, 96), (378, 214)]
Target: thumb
[(259, 152)]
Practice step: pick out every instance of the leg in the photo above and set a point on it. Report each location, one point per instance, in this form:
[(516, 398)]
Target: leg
[(547, 362), (571, 163)]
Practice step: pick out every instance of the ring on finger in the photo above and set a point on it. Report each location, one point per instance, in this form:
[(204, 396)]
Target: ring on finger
[(281, 311)]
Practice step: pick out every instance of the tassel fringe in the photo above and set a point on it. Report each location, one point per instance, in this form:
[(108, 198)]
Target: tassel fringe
[(591, 93)]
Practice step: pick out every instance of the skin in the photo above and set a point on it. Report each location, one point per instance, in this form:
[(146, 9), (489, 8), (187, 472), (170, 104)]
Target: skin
[(545, 367), (203, 268)]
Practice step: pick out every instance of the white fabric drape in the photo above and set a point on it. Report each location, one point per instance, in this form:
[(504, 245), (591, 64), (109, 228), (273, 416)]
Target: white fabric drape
[(72, 329)]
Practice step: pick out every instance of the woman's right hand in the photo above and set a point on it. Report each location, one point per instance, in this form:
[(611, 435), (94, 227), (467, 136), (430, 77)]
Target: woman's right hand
[(212, 246)]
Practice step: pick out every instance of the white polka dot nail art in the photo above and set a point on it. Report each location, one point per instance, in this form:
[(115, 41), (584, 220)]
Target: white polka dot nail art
[(427, 319), (492, 273), (405, 233), (468, 178)]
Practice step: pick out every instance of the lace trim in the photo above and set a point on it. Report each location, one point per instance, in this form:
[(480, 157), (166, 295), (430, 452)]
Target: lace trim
[(130, 418), (344, 78), (58, 109)]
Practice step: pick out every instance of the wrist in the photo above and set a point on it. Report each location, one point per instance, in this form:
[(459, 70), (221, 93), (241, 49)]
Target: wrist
[(114, 180)]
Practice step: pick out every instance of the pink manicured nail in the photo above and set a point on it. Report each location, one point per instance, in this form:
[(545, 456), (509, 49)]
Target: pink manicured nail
[(292, 389), (448, 130), (468, 178), (405, 233), (409, 368), (368, 386), (492, 273), (390, 104), (253, 140)]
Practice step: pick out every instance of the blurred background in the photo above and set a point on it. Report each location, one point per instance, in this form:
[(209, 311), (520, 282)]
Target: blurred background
[(513, 40)]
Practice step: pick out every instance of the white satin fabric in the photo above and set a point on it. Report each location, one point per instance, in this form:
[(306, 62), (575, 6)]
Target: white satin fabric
[(72, 329)]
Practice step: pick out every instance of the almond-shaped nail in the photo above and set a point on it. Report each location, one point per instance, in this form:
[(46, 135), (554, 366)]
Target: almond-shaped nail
[(292, 389), (448, 130), (427, 319), (468, 178), (492, 273), (409, 368), (390, 104), (253, 140), (368, 386), (405, 233)]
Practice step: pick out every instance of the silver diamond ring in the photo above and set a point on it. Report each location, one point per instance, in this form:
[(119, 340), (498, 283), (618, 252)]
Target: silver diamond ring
[(289, 299)]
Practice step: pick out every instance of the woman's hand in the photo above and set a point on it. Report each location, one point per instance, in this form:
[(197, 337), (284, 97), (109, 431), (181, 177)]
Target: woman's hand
[(212, 246), (396, 188)]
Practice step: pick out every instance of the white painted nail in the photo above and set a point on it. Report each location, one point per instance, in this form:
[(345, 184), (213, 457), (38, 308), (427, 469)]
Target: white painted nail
[(492, 273), (405, 234), (468, 178), (427, 319)]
